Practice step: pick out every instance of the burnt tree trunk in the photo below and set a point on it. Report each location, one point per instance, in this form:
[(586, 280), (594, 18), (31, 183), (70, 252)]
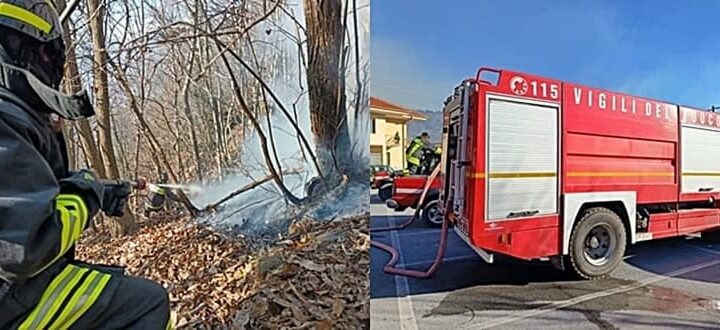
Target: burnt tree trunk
[(326, 88)]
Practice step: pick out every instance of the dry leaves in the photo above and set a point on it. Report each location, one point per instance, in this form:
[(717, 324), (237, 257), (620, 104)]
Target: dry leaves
[(315, 278)]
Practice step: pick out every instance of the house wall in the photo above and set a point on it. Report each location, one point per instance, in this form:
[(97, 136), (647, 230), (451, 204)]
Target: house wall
[(382, 143), (395, 151)]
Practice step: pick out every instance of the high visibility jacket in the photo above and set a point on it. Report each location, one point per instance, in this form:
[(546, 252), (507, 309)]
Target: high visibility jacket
[(42, 215), (414, 151), (39, 221)]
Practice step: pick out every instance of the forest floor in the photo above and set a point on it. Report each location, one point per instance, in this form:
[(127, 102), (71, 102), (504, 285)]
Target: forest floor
[(315, 277)]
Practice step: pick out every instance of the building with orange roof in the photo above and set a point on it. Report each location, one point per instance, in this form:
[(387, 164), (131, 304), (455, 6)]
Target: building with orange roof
[(388, 135)]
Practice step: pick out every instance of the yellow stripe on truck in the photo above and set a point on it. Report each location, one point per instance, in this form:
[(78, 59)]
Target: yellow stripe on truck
[(528, 175), (512, 175), (701, 174)]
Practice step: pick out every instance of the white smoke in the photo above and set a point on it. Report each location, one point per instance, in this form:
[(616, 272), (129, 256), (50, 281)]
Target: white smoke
[(264, 211)]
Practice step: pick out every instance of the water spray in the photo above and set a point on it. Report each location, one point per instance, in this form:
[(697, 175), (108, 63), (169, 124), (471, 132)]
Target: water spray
[(187, 187)]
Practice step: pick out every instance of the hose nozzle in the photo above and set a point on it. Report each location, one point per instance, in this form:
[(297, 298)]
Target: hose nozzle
[(138, 183)]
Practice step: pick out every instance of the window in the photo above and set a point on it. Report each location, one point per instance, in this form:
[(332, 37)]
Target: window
[(373, 125)]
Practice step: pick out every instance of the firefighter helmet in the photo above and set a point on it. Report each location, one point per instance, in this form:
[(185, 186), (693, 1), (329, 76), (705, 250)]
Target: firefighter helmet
[(34, 18)]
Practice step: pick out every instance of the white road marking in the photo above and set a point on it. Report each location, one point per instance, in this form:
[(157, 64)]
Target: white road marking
[(406, 312), (580, 299)]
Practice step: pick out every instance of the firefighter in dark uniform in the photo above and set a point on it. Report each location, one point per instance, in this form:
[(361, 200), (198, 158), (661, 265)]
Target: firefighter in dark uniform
[(44, 207), (157, 196), (415, 151)]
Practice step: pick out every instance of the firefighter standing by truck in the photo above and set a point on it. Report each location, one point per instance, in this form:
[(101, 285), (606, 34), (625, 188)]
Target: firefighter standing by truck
[(44, 207), (416, 151)]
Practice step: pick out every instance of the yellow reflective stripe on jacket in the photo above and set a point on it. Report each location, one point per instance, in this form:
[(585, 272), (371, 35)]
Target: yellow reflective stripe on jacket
[(73, 217), (67, 229), (415, 147), (55, 298), (25, 16), (156, 189), (83, 299), (42, 313)]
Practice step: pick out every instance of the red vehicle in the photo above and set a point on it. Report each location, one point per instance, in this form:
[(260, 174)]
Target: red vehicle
[(537, 168), (406, 192), (379, 174), (383, 182)]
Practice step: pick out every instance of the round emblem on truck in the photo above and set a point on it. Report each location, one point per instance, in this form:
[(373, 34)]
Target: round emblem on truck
[(518, 85)]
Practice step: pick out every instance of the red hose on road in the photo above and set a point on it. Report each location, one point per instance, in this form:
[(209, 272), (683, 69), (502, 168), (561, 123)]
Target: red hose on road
[(394, 255)]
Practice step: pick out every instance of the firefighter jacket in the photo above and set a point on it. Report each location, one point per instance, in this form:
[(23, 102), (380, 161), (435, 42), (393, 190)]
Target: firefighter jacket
[(41, 216), (414, 152)]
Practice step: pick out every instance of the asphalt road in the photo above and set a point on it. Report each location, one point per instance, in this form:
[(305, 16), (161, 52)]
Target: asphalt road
[(673, 283)]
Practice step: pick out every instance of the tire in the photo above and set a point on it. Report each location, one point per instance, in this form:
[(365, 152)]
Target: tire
[(385, 192), (597, 243), (431, 214)]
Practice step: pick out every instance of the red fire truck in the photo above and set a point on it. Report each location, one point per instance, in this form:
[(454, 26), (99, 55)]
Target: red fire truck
[(537, 168)]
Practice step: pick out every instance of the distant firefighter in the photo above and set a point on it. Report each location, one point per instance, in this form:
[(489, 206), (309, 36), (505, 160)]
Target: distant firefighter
[(157, 196), (416, 151)]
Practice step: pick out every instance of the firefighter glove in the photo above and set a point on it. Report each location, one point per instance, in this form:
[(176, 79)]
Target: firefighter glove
[(84, 183), (115, 198)]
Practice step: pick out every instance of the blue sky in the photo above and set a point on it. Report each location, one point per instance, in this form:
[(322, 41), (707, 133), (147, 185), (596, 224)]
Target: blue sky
[(668, 50)]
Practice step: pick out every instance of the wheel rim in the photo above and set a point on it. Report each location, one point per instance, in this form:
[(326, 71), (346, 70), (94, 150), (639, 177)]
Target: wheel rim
[(599, 244), (433, 213)]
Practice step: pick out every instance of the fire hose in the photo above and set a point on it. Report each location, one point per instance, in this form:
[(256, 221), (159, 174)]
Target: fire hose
[(395, 256)]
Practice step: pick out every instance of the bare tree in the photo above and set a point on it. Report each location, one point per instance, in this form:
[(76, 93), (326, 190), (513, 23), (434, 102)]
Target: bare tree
[(96, 13)]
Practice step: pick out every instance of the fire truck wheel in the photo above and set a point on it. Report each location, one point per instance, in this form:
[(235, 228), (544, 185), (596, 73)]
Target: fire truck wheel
[(431, 213), (385, 192), (597, 243)]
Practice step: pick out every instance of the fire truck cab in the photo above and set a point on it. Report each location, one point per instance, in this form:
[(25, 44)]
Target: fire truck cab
[(536, 168)]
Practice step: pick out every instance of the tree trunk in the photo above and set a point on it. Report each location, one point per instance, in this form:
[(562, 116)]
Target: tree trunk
[(73, 85), (326, 87), (96, 13)]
